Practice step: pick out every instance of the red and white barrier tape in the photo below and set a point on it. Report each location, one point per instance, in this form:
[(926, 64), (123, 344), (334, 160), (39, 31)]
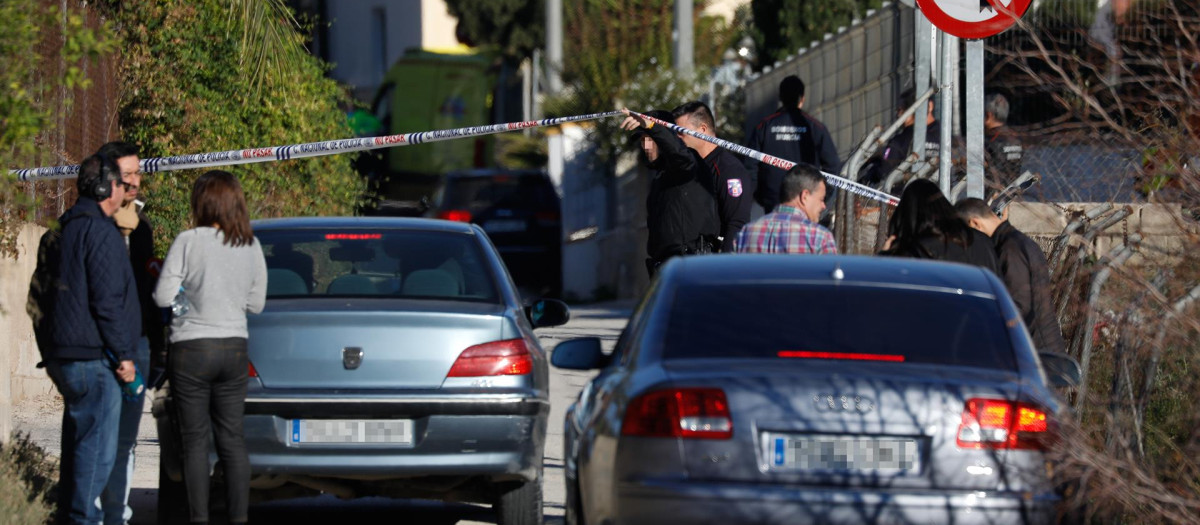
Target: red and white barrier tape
[(331, 147), (833, 180), (309, 149)]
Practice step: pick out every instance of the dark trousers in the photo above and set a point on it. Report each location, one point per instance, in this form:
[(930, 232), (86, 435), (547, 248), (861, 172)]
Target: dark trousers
[(208, 384), (92, 406)]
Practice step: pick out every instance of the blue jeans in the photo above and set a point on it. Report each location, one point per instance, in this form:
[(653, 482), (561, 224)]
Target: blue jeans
[(92, 404), (114, 501)]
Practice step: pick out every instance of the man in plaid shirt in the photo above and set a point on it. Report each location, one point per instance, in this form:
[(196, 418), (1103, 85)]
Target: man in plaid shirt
[(792, 227)]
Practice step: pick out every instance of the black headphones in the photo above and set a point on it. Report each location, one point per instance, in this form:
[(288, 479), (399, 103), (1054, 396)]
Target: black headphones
[(98, 185)]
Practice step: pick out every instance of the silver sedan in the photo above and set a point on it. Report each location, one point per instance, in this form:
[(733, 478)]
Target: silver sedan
[(394, 358), (778, 389)]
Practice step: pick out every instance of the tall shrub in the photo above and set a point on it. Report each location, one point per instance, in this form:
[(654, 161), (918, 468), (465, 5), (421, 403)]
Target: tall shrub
[(214, 75)]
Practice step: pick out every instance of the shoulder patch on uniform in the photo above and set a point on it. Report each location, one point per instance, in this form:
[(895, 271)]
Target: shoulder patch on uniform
[(735, 187)]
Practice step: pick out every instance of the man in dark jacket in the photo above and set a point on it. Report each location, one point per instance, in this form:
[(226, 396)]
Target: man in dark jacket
[(681, 213), (731, 184), (1024, 270), (791, 134), (139, 237), (1003, 147), (88, 308), (877, 168)]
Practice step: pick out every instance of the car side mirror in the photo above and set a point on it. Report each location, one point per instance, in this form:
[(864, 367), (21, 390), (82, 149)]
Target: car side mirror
[(548, 312), (1062, 370), (578, 354)]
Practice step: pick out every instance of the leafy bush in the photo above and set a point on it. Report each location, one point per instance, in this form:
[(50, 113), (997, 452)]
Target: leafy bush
[(28, 478), (214, 75), (30, 100)]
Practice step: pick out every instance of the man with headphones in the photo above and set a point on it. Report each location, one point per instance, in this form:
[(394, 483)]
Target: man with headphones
[(88, 307), (135, 227)]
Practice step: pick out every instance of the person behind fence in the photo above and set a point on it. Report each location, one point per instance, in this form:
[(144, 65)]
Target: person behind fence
[(732, 184), (681, 214), (791, 134), (218, 271), (1024, 270), (139, 239), (925, 225), (877, 168), (83, 301), (1003, 149), (792, 227)]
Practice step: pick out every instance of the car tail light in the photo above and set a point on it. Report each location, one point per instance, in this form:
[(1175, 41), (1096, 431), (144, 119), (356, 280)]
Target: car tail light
[(698, 413), (1000, 424), (849, 356), (253, 371), (498, 358), (456, 215)]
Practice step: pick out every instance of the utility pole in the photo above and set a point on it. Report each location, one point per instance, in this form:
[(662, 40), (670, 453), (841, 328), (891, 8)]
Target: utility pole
[(684, 38), (975, 114), (554, 46), (555, 163), (949, 79)]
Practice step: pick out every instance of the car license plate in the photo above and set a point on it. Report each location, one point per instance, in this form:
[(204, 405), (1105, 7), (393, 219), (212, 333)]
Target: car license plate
[(893, 455), (504, 226), (342, 431)]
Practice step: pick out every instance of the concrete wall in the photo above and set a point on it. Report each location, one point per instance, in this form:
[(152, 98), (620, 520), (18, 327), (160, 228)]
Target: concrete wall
[(1165, 234), (18, 350)]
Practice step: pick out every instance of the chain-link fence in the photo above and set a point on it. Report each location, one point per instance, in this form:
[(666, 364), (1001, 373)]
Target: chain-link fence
[(83, 118)]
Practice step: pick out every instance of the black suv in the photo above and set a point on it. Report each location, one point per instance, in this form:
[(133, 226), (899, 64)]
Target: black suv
[(521, 213)]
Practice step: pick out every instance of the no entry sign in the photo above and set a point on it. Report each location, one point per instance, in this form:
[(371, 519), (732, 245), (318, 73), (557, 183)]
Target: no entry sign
[(973, 19)]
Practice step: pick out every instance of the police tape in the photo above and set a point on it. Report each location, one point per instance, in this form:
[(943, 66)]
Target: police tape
[(833, 180), (309, 149)]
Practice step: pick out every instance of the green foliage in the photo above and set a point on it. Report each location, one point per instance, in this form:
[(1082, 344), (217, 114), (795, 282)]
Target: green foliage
[(27, 482), (213, 75), (521, 150), (783, 26), (612, 43), (515, 27), (620, 56), (28, 97)]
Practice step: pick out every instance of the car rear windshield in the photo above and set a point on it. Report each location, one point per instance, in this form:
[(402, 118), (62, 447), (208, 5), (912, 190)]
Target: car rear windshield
[(520, 192), (376, 262), (791, 321)]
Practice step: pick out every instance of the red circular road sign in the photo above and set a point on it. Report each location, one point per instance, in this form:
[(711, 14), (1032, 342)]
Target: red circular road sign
[(973, 19)]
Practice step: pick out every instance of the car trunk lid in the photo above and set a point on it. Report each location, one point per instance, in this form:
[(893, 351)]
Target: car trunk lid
[(366, 343), (812, 423)]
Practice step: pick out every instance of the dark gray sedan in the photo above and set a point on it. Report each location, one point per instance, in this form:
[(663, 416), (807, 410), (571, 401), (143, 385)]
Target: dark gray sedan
[(812, 389), (394, 358)]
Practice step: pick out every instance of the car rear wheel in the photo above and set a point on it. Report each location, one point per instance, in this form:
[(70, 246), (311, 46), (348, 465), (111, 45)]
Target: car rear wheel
[(520, 504)]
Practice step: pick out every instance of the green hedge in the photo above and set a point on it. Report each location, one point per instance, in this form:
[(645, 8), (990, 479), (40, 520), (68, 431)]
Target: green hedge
[(214, 75)]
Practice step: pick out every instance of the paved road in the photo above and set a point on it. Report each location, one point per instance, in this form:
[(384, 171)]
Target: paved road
[(41, 421)]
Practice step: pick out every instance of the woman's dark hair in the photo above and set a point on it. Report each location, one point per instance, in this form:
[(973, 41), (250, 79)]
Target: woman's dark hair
[(924, 212), (217, 198)]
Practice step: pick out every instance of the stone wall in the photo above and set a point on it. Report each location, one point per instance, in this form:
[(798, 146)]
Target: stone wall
[(18, 350)]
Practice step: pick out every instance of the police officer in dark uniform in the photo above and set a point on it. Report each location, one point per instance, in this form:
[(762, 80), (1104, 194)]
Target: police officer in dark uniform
[(791, 134), (681, 212), (1003, 147), (879, 166), (731, 185)]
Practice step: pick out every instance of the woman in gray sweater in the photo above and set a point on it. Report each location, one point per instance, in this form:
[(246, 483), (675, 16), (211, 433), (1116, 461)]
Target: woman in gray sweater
[(219, 268)]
